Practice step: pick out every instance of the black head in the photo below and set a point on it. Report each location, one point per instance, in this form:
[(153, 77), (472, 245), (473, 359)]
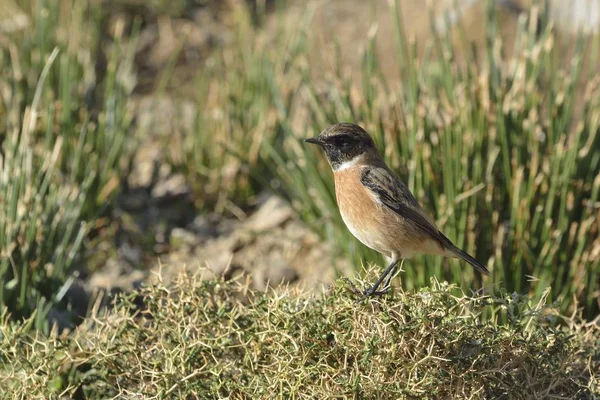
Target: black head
[(343, 142)]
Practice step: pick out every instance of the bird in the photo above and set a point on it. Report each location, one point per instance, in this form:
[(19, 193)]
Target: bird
[(377, 207)]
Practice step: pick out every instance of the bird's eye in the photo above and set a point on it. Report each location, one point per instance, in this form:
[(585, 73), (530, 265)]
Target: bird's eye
[(342, 141)]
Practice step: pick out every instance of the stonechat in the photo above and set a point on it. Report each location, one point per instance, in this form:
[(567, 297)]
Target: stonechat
[(377, 207)]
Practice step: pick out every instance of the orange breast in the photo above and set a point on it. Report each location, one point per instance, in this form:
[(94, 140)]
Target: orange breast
[(361, 213), (374, 224)]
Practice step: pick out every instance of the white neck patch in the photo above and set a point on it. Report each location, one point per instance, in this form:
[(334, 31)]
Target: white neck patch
[(348, 164)]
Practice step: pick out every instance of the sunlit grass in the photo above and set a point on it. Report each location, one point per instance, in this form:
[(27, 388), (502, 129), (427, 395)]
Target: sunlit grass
[(215, 339)]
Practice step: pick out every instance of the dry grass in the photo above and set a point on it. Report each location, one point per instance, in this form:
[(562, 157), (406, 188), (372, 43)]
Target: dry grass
[(218, 339)]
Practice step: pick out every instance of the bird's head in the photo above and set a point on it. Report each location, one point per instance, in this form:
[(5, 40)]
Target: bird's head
[(344, 143)]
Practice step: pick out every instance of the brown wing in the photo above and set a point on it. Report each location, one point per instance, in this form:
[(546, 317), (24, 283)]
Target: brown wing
[(394, 194)]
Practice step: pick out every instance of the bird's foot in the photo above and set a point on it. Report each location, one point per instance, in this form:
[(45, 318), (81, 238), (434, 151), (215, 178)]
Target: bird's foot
[(372, 291), (368, 292)]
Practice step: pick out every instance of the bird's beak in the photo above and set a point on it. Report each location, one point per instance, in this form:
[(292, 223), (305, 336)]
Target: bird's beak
[(315, 140)]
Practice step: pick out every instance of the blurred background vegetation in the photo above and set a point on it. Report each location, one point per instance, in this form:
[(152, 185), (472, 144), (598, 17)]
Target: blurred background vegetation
[(487, 109), (141, 137)]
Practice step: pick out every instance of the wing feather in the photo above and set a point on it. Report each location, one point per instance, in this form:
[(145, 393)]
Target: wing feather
[(394, 194)]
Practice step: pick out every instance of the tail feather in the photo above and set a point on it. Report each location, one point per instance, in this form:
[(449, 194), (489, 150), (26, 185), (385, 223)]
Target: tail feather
[(468, 258)]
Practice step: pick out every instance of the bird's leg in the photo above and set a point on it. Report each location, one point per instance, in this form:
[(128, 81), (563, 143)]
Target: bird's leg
[(386, 276), (387, 282)]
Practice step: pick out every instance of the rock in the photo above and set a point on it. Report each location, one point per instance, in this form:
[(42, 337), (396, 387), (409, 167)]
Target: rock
[(145, 166), (274, 212), (216, 255), (276, 271), (227, 226), (175, 185), (114, 278), (181, 237)]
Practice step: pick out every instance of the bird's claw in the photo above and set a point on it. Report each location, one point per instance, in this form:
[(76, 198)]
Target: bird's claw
[(368, 292)]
